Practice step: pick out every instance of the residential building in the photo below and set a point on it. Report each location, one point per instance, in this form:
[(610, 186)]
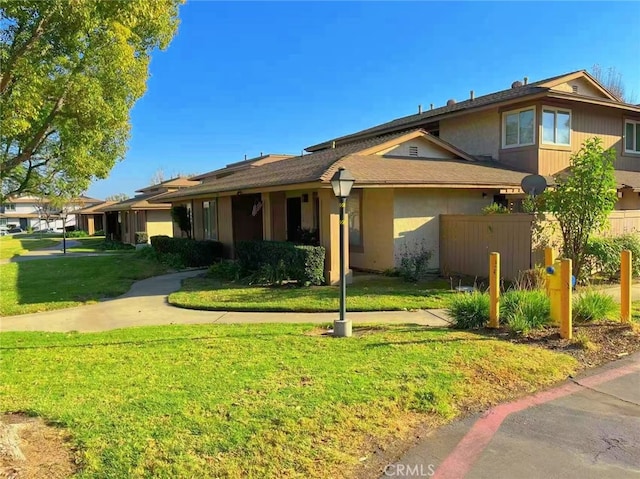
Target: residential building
[(138, 214), (38, 213), (457, 158)]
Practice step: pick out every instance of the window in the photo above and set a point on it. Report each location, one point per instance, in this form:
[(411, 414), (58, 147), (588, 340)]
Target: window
[(556, 126), (355, 218), (7, 207), (632, 136), (518, 128), (210, 219)]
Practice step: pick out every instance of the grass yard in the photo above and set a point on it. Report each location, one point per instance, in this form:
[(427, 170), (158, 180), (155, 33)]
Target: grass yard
[(11, 246), (378, 294), (96, 244), (635, 311), (47, 284), (263, 401)]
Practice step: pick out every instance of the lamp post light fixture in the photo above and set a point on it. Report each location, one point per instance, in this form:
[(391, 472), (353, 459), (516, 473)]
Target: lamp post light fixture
[(341, 182)]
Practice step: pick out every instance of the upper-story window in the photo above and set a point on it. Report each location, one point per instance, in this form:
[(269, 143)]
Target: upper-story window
[(632, 136), (556, 126), (518, 127), (8, 207)]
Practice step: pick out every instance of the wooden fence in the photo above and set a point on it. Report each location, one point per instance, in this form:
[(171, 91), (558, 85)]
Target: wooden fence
[(467, 240)]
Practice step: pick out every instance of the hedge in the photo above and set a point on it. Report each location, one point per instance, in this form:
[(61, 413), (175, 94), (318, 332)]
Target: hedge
[(275, 261), (603, 254), (191, 252)]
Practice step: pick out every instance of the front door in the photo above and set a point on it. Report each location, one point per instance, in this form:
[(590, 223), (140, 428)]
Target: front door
[(294, 218)]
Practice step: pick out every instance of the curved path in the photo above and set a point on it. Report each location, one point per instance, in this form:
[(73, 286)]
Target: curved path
[(146, 304)]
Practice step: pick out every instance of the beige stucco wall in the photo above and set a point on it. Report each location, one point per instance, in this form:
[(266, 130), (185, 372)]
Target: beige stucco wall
[(416, 217), (476, 134), (630, 201), (159, 223), (584, 88), (377, 231)]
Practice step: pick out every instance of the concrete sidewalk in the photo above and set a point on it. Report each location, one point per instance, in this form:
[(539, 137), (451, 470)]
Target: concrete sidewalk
[(588, 427), (146, 305)]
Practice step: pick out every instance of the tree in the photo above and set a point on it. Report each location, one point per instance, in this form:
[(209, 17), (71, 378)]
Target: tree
[(117, 197), (612, 81), (157, 177), (582, 199), (70, 72), (181, 217)]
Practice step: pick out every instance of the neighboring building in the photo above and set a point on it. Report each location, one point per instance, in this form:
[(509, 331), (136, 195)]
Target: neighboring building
[(38, 213), (454, 159), (124, 219), (91, 219)]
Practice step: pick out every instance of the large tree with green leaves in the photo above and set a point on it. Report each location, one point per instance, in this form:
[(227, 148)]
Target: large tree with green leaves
[(583, 198), (70, 72)]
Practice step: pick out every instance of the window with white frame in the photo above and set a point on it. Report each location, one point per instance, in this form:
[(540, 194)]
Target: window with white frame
[(518, 127), (632, 136), (8, 207), (210, 219), (556, 126)]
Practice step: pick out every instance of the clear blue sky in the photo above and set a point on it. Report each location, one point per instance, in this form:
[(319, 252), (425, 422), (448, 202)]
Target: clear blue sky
[(243, 78)]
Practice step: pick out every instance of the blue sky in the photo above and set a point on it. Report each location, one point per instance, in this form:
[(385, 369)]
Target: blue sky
[(243, 78)]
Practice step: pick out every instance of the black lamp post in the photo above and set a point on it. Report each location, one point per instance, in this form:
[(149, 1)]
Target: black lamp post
[(341, 182), (63, 216)]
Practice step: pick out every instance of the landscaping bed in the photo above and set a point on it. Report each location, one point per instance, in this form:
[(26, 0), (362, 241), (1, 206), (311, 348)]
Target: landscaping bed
[(368, 294), (258, 400)]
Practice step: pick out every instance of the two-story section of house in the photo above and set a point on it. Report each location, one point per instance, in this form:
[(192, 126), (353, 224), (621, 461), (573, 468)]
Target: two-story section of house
[(533, 127), (28, 212)]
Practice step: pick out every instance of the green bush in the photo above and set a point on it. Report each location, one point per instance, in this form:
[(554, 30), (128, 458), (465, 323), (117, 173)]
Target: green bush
[(277, 261), (495, 209), (603, 254), (187, 252), (594, 306), (77, 234), (147, 253), (225, 270), (469, 311), (414, 264), (142, 237), (525, 310)]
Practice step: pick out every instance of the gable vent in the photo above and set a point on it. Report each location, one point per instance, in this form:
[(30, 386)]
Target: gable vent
[(574, 88), (413, 150)]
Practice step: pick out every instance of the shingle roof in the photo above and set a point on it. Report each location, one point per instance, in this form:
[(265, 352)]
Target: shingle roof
[(172, 183), (628, 179), (93, 208), (139, 202), (368, 168), (299, 169), (413, 121)]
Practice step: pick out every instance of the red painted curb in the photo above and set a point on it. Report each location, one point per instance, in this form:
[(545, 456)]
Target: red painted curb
[(459, 462)]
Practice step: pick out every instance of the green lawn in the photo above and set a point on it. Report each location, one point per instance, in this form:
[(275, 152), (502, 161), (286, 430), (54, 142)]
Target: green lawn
[(379, 294), (263, 401), (635, 311), (46, 284), (11, 246)]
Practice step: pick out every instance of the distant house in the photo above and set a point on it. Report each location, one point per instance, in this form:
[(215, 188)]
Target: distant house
[(38, 213), (455, 159), (124, 219), (90, 219)]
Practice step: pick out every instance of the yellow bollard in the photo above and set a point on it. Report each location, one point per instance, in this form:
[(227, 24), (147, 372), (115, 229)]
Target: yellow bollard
[(494, 290), (549, 259), (566, 310), (625, 286), (553, 290)]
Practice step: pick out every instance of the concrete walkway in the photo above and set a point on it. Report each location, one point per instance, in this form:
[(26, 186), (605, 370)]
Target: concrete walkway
[(52, 252), (589, 427), (146, 304)]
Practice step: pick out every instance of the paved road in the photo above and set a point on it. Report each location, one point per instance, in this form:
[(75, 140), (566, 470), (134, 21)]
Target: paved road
[(586, 428), (146, 304)]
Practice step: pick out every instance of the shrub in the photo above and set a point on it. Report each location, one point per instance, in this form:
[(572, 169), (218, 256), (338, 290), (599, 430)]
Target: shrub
[(495, 209), (189, 252), (525, 310), (414, 265), (77, 234), (99, 233), (142, 237), (225, 270), (147, 253), (531, 279), (469, 311), (114, 245), (594, 306), (180, 216), (277, 261), (603, 254)]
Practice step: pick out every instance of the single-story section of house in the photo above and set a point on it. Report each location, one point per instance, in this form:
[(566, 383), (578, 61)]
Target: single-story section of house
[(139, 215), (404, 181), (91, 219)]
